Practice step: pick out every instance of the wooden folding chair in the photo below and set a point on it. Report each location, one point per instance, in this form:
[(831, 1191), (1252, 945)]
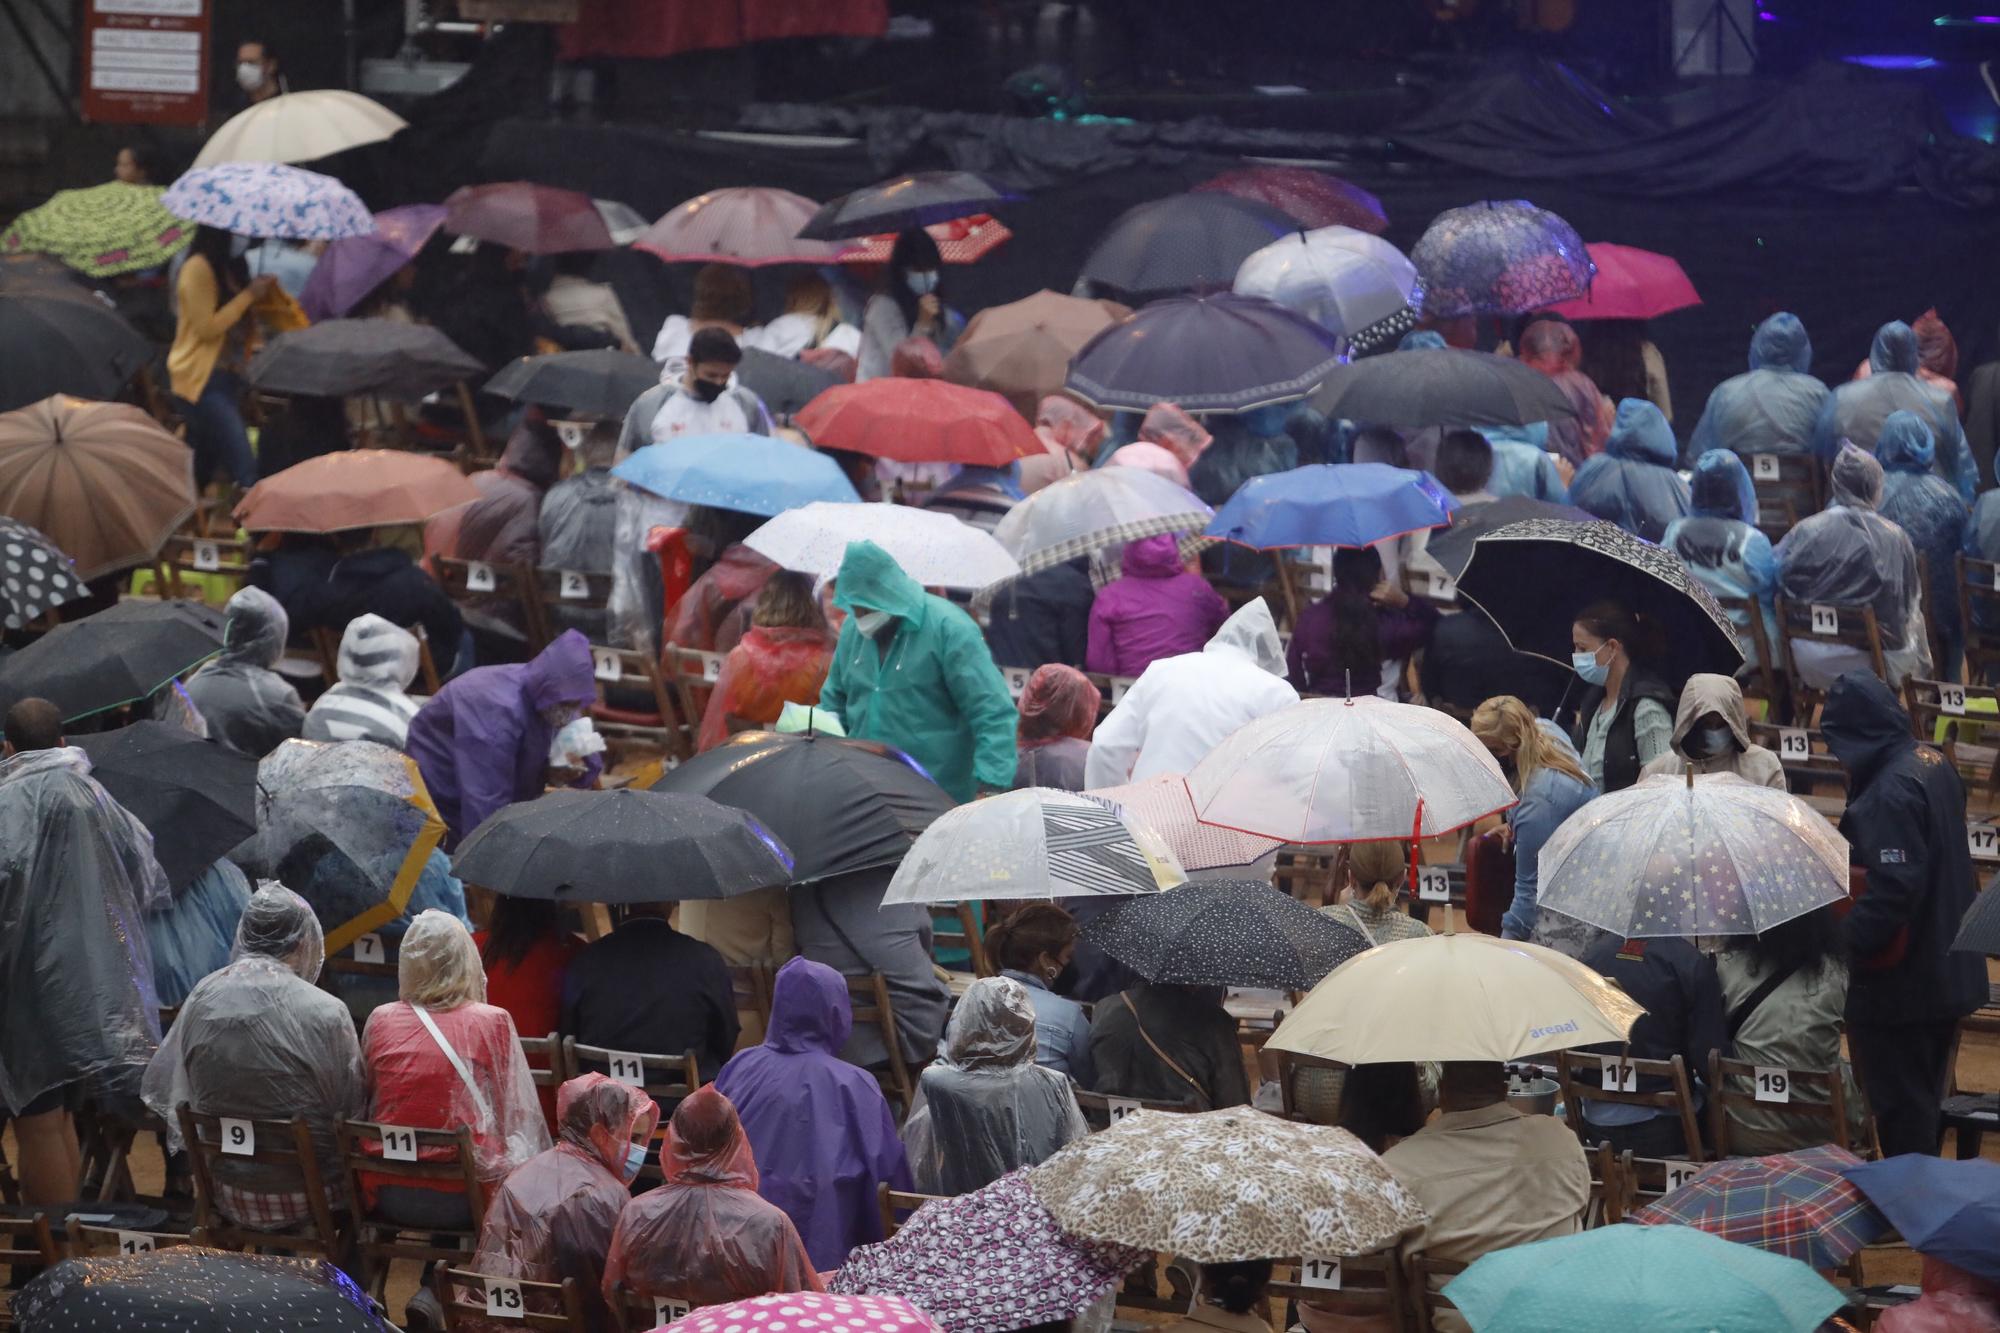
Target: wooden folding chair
[(1645, 1180), (483, 585), (634, 1313), (188, 562), (692, 672), (898, 1205), (1583, 1075), (868, 997), (87, 1241), (1969, 1114), (1789, 487), (1979, 615), (1102, 1110), (545, 1060), (280, 1149), (1813, 1099), (1964, 722), (1759, 677), (25, 1242), (1428, 1298), (471, 1299), (379, 1240), (1827, 624), (1356, 1286), (667, 1079), (663, 729), (956, 926), (573, 598)]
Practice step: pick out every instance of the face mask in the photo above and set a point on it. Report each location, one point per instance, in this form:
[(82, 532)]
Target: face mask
[(871, 623), (1587, 666), (708, 390), (1065, 981), (1708, 741), (250, 76), (923, 284), (635, 1157)]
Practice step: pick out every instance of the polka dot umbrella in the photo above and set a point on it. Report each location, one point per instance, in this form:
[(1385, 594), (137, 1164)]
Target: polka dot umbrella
[(35, 576), (810, 1312), (1225, 933), (192, 1290)]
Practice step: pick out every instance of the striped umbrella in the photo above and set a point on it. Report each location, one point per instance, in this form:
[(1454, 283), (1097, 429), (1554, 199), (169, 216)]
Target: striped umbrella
[(1033, 843), (101, 231), (1797, 1204)]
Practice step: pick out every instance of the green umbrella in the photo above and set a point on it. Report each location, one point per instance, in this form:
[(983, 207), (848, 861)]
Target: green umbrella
[(101, 231)]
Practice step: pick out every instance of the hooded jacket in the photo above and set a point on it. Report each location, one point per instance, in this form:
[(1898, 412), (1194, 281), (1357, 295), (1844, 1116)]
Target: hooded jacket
[(1847, 554), (1043, 617), (822, 1133), (1704, 694), (384, 581), (1770, 410), (1633, 482), (371, 701), (1154, 609), (1856, 411), (1905, 826), (1925, 506), (248, 707), (1721, 543), (503, 525)]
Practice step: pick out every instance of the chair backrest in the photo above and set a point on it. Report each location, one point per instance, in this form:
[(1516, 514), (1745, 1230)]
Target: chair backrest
[(188, 561), (1426, 1298), (545, 1060), (1802, 753), (1964, 722), (1788, 487), (898, 1205), (665, 725), (1979, 613), (1588, 1075), (1829, 624), (634, 1313), (283, 1148), (471, 580), (868, 997), (1102, 1110), (471, 1299), (1354, 1286), (1812, 1100), (1763, 682), (1111, 689), (955, 926), (27, 1241), (574, 589), (664, 1078), (1647, 1180), (398, 1152), (750, 985), (692, 672), (87, 1241)]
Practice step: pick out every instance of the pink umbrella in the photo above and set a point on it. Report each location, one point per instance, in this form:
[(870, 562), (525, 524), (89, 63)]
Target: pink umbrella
[(749, 226), (1630, 284), (1162, 804), (810, 1312), (539, 219), (1313, 199)]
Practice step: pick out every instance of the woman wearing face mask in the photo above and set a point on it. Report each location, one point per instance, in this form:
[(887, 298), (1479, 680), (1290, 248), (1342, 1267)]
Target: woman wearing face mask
[(1545, 774), (1711, 736), (1622, 723), (908, 306), (1036, 946)]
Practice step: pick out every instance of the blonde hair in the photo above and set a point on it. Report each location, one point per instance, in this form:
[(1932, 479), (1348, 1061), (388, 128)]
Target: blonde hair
[(1505, 723), (1379, 868), (810, 294), (437, 965)]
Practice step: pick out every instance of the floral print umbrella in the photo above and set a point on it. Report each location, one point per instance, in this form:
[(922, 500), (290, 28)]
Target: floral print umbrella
[(1499, 257), (269, 199)]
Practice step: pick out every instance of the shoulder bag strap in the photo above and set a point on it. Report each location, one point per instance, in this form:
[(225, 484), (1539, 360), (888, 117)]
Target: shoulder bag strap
[(479, 1101), (1741, 1013), (1200, 1093)]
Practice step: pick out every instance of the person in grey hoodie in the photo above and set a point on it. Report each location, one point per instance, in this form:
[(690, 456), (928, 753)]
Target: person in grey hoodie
[(249, 707)]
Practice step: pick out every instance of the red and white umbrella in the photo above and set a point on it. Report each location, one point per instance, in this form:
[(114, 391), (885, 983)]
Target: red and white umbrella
[(959, 241)]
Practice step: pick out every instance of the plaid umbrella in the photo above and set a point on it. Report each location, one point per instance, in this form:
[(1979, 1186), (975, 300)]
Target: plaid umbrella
[(1797, 1204), (959, 241), (101, 231)]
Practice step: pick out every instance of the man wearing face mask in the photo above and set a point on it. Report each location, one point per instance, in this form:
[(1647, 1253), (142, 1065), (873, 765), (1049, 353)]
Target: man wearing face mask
[(257, 76), (1711, 735), (701, 399)]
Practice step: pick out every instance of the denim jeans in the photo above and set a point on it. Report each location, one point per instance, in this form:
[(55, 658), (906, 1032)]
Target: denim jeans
[(215, 431)]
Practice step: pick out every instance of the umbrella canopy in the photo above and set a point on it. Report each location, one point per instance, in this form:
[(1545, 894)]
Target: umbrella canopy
[(1022, 350), (354, 266), (1313, 199), (1161, 804), (621, 847), (196, 798), (103, 481), (751, 474), (784, 384), (1225, 933), (23, 271), (919, 421), (185, 1289), (811, 1312), (1349, 283), (1183, 243), (1455, 997), (1979, 932), (1088, 511), (1453, 547), (1946, 1210), (539, 219), (1441, 386), (965, 240), (300, 127), (625, 223), (1220, 353), (1514, 571), (119, 655), (101, 231), (1499, 257), (56, 341), (748, 226), (383, 357), (1630, 284), (1798, 1204), (1718, 856), (991, 1261), (1642, 1277), (934, 548), (1035, 842), (1349, 770), (1329, 504), (355, 488), (915, 200), (837, 805), (602, 383), (269, 199), (35, 575), (1226, 1186)]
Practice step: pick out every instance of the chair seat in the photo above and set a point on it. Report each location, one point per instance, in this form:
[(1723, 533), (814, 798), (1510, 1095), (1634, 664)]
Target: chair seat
[(1973, 1106), (625, 717)]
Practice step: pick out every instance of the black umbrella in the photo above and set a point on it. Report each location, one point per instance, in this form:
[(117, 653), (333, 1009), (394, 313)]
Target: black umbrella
[(1183, 243), (186, 1289), (1531, 578), (915, 200), (117, 656), (1441, 386), (1979, 932), (196, 798), (621, 847), (55, 341), (362, 356), (839, 805), (600, 384), (1452, 546), (785, 385), (1225, 933), (1222, 352)]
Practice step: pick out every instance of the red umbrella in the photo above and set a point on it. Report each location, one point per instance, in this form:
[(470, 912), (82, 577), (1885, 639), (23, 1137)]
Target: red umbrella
[(919, 421), (1313, 199), (959, 241), (750, 226), (539, 219), (1630, 284)]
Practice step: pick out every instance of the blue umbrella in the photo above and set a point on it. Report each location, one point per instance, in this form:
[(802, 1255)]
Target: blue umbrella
[(1331, 504), (1946, 1210), (753, 474)]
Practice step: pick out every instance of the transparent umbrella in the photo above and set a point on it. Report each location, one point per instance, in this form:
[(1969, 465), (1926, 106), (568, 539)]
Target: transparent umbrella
[(1499, 257), (1346, 281), (1033, 843), (1089, 511), (937, 550)]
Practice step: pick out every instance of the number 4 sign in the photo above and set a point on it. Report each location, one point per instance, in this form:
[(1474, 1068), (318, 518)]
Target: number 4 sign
[(479, 577)]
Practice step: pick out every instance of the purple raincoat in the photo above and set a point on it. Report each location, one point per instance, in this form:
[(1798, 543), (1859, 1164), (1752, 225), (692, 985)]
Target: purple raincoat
[(822, 1134), (482, 742), (1157, 609)]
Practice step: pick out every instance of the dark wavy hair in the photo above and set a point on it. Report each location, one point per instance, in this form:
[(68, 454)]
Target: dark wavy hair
[(1236, 1287)]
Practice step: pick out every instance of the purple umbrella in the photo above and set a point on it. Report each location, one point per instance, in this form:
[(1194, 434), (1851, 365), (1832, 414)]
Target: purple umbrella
[(1222, 353), (356, 265)]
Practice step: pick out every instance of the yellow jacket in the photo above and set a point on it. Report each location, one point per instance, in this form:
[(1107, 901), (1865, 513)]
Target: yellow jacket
[(204, 326)]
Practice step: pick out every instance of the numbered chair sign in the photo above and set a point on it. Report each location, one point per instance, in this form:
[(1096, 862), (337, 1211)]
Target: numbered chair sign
[(1773, 1084), (478, 576), (1680, 1173), (134, 1242), (1433, 884), (1122, 686), (1444, 588), (207, 557), (1793, 744), (626, 1068), (1825, 620), (399, 1143), (609, 666), (1017, 680), (572, 586), (1951, 699), (1620, 1077), (711, 667), (239, 1137), (666, 1309), (1119, 1107), (503, 1299), (1321, 1273), (1764, 467), (369, 949), (1983, 840)]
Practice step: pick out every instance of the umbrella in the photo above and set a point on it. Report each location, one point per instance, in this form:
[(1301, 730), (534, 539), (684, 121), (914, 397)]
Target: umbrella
[(103, 481), (196, 798), (185, 1289), (23, 272), (965, 240), (1183, 243), (56, 341), (269, 199), (1514, 571), (1455, 997), (914, 200), (784, 384), (539, 219), (621, 847), (1441, 386), (751, 474), (1161, 804), (1327, 504), (119, 655), (355, 488), (919, 421), (1797, 1204), (1630, 284), (1349, 770), (1034, 842), (935, 549), (101, 231), (35, 575), (300, 127), (1945, 1210), (1349, 283), (1220, 353), (1499, 257), (1089, 511), (1023, 349), (991, 1261), (625, 223), (354, 266), (1979, 932), (1225, 933), (1226, 1186), (810, 1312), (1453, 546), (1715, 856), (602, 383), (749, 226), (1313, 199), (837, 805), (382, 357)]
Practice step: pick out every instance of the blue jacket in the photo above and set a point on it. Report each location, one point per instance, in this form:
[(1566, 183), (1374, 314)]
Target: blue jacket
[(1924, 505), (1859, 410), (1548, 799), (1633, 482), (1772, 408), (1062, 1033), (1721, 544)]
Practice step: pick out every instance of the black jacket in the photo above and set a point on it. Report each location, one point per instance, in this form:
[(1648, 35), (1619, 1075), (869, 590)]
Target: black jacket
[(1468, 661), (648, 988), (1043, 618), (1676, 984), (385, 581), (1621, 747), (1905, 825), (1194, 1030)]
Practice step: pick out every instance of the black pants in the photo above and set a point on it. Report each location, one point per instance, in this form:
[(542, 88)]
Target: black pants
[(1659, 1137), (1902, 1069)]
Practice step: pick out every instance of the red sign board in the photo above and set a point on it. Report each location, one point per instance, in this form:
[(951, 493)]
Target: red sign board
[(146, 61)]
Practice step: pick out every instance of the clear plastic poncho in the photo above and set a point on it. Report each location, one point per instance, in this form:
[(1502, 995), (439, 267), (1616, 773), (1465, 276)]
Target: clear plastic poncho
[(1848, 554), (1925, 506), (1633, 482), (249, 707), (985, 1107), (1723, 548)]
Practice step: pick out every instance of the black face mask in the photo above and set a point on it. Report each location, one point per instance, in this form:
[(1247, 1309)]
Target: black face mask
[(708, 390), (1065, 980)]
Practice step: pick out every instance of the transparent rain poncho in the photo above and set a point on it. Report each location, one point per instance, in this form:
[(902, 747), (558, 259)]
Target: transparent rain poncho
[(249, 707), (1925, 506), (1848, 554)]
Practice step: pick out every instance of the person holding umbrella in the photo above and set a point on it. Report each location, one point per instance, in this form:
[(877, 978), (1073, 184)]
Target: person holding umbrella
[(908, 305), (212, 297), (1622, 723)]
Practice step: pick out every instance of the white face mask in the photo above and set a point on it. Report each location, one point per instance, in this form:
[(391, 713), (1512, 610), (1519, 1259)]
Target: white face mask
[(871, 623), (923, 284), (635, 1158), (250, 76)]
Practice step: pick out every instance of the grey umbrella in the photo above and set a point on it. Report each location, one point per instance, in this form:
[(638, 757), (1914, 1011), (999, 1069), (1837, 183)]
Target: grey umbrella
[(1440, 386), (362, 356), (601, 384), (914, 200), (1183, 243), (1225, 933), (785, 385)]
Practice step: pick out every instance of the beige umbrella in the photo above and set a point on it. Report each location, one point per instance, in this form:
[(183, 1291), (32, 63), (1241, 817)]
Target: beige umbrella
[(1022, 350), (1455, 997), (103, 481), (354, 488), (300, 127)]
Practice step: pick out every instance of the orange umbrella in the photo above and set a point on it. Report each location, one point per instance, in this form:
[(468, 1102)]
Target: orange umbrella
[(103, 481), (357, 488), (1022, 350), (919, 421)]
